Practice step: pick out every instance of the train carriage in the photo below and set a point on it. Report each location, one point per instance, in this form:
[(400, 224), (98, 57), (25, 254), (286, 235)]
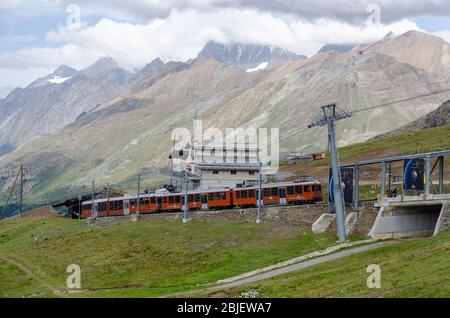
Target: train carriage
[(245, 197), (147, 204), (272, 194), (171, 202), (217, 199)]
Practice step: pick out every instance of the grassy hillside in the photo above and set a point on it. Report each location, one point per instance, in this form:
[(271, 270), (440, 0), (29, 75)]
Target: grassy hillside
[(417, 268), (426, 140), (139, 259)]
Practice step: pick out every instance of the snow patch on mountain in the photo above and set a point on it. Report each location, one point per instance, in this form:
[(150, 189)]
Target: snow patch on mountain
[(58, 79), (260, 67)]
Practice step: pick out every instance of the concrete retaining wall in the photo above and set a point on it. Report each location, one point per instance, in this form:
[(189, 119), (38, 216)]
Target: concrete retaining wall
[(412, 221), (443, 223)]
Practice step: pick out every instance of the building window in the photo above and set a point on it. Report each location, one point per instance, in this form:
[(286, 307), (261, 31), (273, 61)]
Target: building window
[(233, 172), (215, 171), (252, 173)]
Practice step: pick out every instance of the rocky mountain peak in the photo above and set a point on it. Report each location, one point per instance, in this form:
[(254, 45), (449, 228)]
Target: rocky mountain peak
[(247, 56), (340, 48), (422, 50), (64, 71), (103, 64), (153, 65)]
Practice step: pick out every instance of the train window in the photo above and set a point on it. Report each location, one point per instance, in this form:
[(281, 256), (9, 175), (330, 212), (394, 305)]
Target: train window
[(274, 192), (141, 201), (171, 199), (132, 203), (177, 199), (190, 197), (204, 198), (307, 188), (164, 200), (316, 188), (153, 199), (102, 206), (251, 193), (119, 205), (197, 197), (298, 189), (146, 200), (238, 194), (290, 190), (266, 192), (244, 194), (224, 195), (210, 196)]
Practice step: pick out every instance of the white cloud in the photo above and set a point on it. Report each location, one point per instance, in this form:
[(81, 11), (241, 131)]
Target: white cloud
[(344, 10), (181, 36), (11, 78)]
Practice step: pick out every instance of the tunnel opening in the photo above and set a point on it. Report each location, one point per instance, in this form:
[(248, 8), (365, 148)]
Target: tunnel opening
[(407, 221)]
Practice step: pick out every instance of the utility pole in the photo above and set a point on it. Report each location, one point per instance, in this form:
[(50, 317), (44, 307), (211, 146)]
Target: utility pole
[(185, 207), (93, 213), (258, 218), (79, 203), (138, 192), (329, 118), (21, 190)]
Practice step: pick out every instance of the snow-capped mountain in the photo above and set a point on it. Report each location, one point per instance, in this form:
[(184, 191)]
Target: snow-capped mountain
[(247, 56)]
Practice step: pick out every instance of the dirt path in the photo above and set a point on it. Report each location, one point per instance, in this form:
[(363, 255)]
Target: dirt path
[(290, 268), (28, 271)]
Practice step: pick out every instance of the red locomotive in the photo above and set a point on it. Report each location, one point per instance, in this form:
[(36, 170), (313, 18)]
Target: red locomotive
[(272, 194)]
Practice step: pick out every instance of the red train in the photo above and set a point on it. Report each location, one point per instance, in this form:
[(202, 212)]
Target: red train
[(273, 194)]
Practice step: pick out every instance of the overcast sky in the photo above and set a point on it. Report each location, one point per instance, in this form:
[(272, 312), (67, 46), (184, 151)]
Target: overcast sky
[(36, 36)]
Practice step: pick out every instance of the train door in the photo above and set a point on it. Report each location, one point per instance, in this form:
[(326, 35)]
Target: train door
[(282, 195), (204, 201), (95, 210), (126, 207)]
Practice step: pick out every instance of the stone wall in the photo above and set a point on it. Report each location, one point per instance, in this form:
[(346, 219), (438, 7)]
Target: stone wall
[(302, 215)]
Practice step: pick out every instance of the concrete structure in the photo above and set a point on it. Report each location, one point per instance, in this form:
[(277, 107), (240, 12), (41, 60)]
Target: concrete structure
[(419, 216)]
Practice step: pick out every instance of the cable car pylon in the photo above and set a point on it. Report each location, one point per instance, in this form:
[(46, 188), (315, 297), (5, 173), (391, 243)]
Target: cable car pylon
[(330, 115)]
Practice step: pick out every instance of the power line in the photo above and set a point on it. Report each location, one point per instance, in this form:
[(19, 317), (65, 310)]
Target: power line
[(400, 101)]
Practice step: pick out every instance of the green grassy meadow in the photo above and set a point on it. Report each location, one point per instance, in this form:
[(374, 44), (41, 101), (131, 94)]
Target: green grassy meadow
[(144, 259)]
